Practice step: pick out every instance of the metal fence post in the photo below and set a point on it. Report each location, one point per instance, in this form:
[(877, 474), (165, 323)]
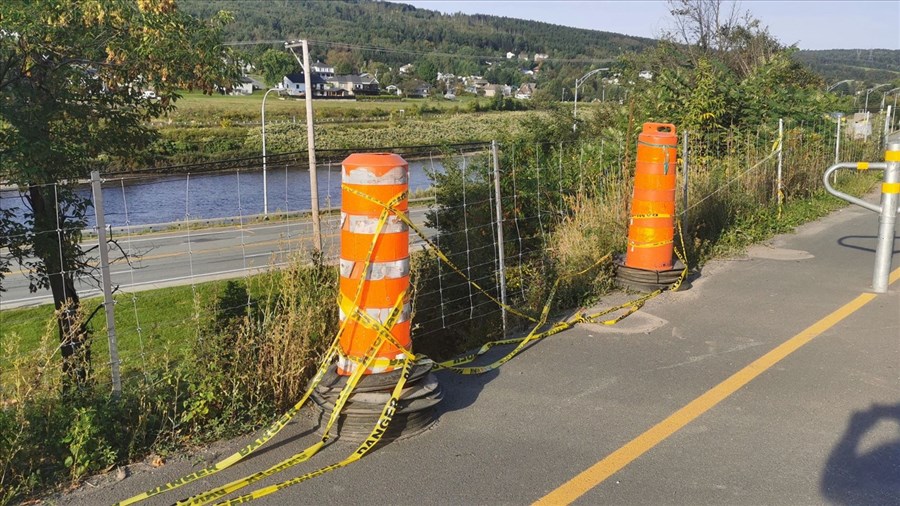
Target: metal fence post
[(837, 141), (837, 145), (780, 195), (890, 198), (108, 302), (887, 127), (684, 182), (500, 251)]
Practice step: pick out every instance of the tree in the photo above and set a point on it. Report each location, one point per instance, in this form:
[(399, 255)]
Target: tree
[(426, 70), (275, 64), (72, 76)]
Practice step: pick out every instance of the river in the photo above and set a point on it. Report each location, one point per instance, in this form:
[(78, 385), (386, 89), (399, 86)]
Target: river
[(170, 198)]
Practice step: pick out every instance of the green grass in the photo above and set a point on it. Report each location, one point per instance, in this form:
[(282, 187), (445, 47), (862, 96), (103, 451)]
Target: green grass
[(195, 106), (166, 319)]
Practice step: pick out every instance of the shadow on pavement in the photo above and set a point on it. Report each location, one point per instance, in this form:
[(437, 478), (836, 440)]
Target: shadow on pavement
[(870, 476), (460, 390), (855, 241)]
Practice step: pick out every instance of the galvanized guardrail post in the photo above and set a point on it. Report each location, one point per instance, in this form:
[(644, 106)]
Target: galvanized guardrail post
[(890, 191), (888, 210)]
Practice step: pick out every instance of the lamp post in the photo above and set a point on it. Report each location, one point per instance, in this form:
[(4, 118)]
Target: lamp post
[(885, 94), (265, 186), (835, 85), (579, 82), (870, 90)]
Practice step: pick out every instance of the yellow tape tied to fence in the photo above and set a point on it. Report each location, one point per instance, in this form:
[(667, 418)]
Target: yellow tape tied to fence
[(383, 331)]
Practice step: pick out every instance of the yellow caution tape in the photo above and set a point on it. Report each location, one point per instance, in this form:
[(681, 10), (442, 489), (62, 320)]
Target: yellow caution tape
[(282, 422), (892, 156), (890, 187), (304, 455), (653, 215), (443, 257), (353, 312), (634, 244), (384, 421), (862, 165)]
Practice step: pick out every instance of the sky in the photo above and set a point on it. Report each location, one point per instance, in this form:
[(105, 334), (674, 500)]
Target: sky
[(809, 24)]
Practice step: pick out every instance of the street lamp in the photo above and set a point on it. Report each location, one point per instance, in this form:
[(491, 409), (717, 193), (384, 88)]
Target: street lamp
[(888, 92), (870, 90), (835, 85), (265, 186), (579, 82)]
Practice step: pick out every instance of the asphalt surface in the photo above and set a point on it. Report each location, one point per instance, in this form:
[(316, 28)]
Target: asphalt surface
[(822, 425), (162, 259)]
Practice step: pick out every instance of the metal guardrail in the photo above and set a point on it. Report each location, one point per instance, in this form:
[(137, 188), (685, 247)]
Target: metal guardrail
[(888, 209)]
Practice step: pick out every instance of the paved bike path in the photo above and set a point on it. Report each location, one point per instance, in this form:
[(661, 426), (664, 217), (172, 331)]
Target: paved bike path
[(821, 425)]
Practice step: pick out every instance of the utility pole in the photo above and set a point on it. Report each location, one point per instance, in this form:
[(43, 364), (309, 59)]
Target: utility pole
[(310, 139)]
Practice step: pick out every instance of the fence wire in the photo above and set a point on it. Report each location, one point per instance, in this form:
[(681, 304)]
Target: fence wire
[(182, 231)]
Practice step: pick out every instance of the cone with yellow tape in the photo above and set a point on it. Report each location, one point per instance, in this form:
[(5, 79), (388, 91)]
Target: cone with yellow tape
[(374, 303), (648, 262)]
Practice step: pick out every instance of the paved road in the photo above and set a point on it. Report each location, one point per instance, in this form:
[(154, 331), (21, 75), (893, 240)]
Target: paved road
[(185, 256), (774, 380)]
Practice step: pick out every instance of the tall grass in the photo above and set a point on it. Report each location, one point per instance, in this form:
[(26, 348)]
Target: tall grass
[(250, 359)]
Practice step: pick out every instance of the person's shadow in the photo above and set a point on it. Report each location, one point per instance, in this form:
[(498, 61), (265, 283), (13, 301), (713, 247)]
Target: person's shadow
[(852, 476)]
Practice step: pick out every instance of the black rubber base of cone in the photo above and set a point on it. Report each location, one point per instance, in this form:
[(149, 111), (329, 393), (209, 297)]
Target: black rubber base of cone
[(415, 412), (648, 281)]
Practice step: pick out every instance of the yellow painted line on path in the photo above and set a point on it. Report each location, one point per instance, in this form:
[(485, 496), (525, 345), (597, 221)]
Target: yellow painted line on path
[(612, 463)]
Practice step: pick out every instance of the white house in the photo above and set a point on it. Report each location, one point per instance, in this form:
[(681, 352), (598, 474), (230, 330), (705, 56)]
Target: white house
[(326, 71), (243, 87), (406, 69), (295, 86), (538, 57), (646, 74), (510, 55), (355, 85), (525, 91)]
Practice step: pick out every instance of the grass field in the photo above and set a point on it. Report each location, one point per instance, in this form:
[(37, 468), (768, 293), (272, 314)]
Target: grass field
[(195, 106)]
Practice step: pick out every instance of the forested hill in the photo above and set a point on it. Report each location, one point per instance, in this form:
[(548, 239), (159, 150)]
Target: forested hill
[(405, 29), (873, 66)]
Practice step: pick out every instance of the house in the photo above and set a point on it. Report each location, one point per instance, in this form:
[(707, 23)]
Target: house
[(295, 86), (525, 91), (393, 90), (420, 91), (510, 55), (326, 71), (406, 69), (355, 84), (539, 57), (244, 86), (646, 74), (492, 90)]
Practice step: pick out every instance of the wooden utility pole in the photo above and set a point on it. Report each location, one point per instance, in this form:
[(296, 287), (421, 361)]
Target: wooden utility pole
[(310, 140)]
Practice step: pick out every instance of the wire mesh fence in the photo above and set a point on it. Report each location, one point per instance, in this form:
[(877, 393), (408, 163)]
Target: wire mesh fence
[(562, 206)]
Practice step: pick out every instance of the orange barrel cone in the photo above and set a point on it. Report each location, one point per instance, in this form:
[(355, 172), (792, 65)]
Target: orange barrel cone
[(651, 228), (382, 177)]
